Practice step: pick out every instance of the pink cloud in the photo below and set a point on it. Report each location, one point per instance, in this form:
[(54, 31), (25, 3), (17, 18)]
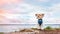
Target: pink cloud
[(2, 2), (2, 11)]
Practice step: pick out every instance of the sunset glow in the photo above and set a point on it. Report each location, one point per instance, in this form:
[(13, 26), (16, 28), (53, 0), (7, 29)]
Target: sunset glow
[(2, 2), (2, 12)]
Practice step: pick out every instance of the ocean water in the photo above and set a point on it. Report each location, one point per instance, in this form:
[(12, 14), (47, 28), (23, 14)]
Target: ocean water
[(30, 25), (53, 25), (17, 27)]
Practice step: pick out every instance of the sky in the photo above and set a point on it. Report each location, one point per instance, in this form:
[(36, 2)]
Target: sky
[(23, 11)]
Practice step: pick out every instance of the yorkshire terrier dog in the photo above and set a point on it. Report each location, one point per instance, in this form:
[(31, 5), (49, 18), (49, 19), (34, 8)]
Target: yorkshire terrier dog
[(39, 17)]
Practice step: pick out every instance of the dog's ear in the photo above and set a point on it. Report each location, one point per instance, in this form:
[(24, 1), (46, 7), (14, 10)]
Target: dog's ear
[(35, 14), (42, 14)]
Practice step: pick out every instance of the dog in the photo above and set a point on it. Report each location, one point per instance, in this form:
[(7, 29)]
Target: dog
[(39, 16)]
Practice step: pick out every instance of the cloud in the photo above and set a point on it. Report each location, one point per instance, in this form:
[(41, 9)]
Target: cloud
[(2, 12), (22, 8), (12, 19), (44, 0), (14, 15), (30, 10), (51, 14), (55, 11), (27, 9), (2, 2), (55, 7)]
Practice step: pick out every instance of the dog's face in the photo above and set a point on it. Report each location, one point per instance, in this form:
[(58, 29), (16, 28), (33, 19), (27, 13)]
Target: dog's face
[(39, 16)]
